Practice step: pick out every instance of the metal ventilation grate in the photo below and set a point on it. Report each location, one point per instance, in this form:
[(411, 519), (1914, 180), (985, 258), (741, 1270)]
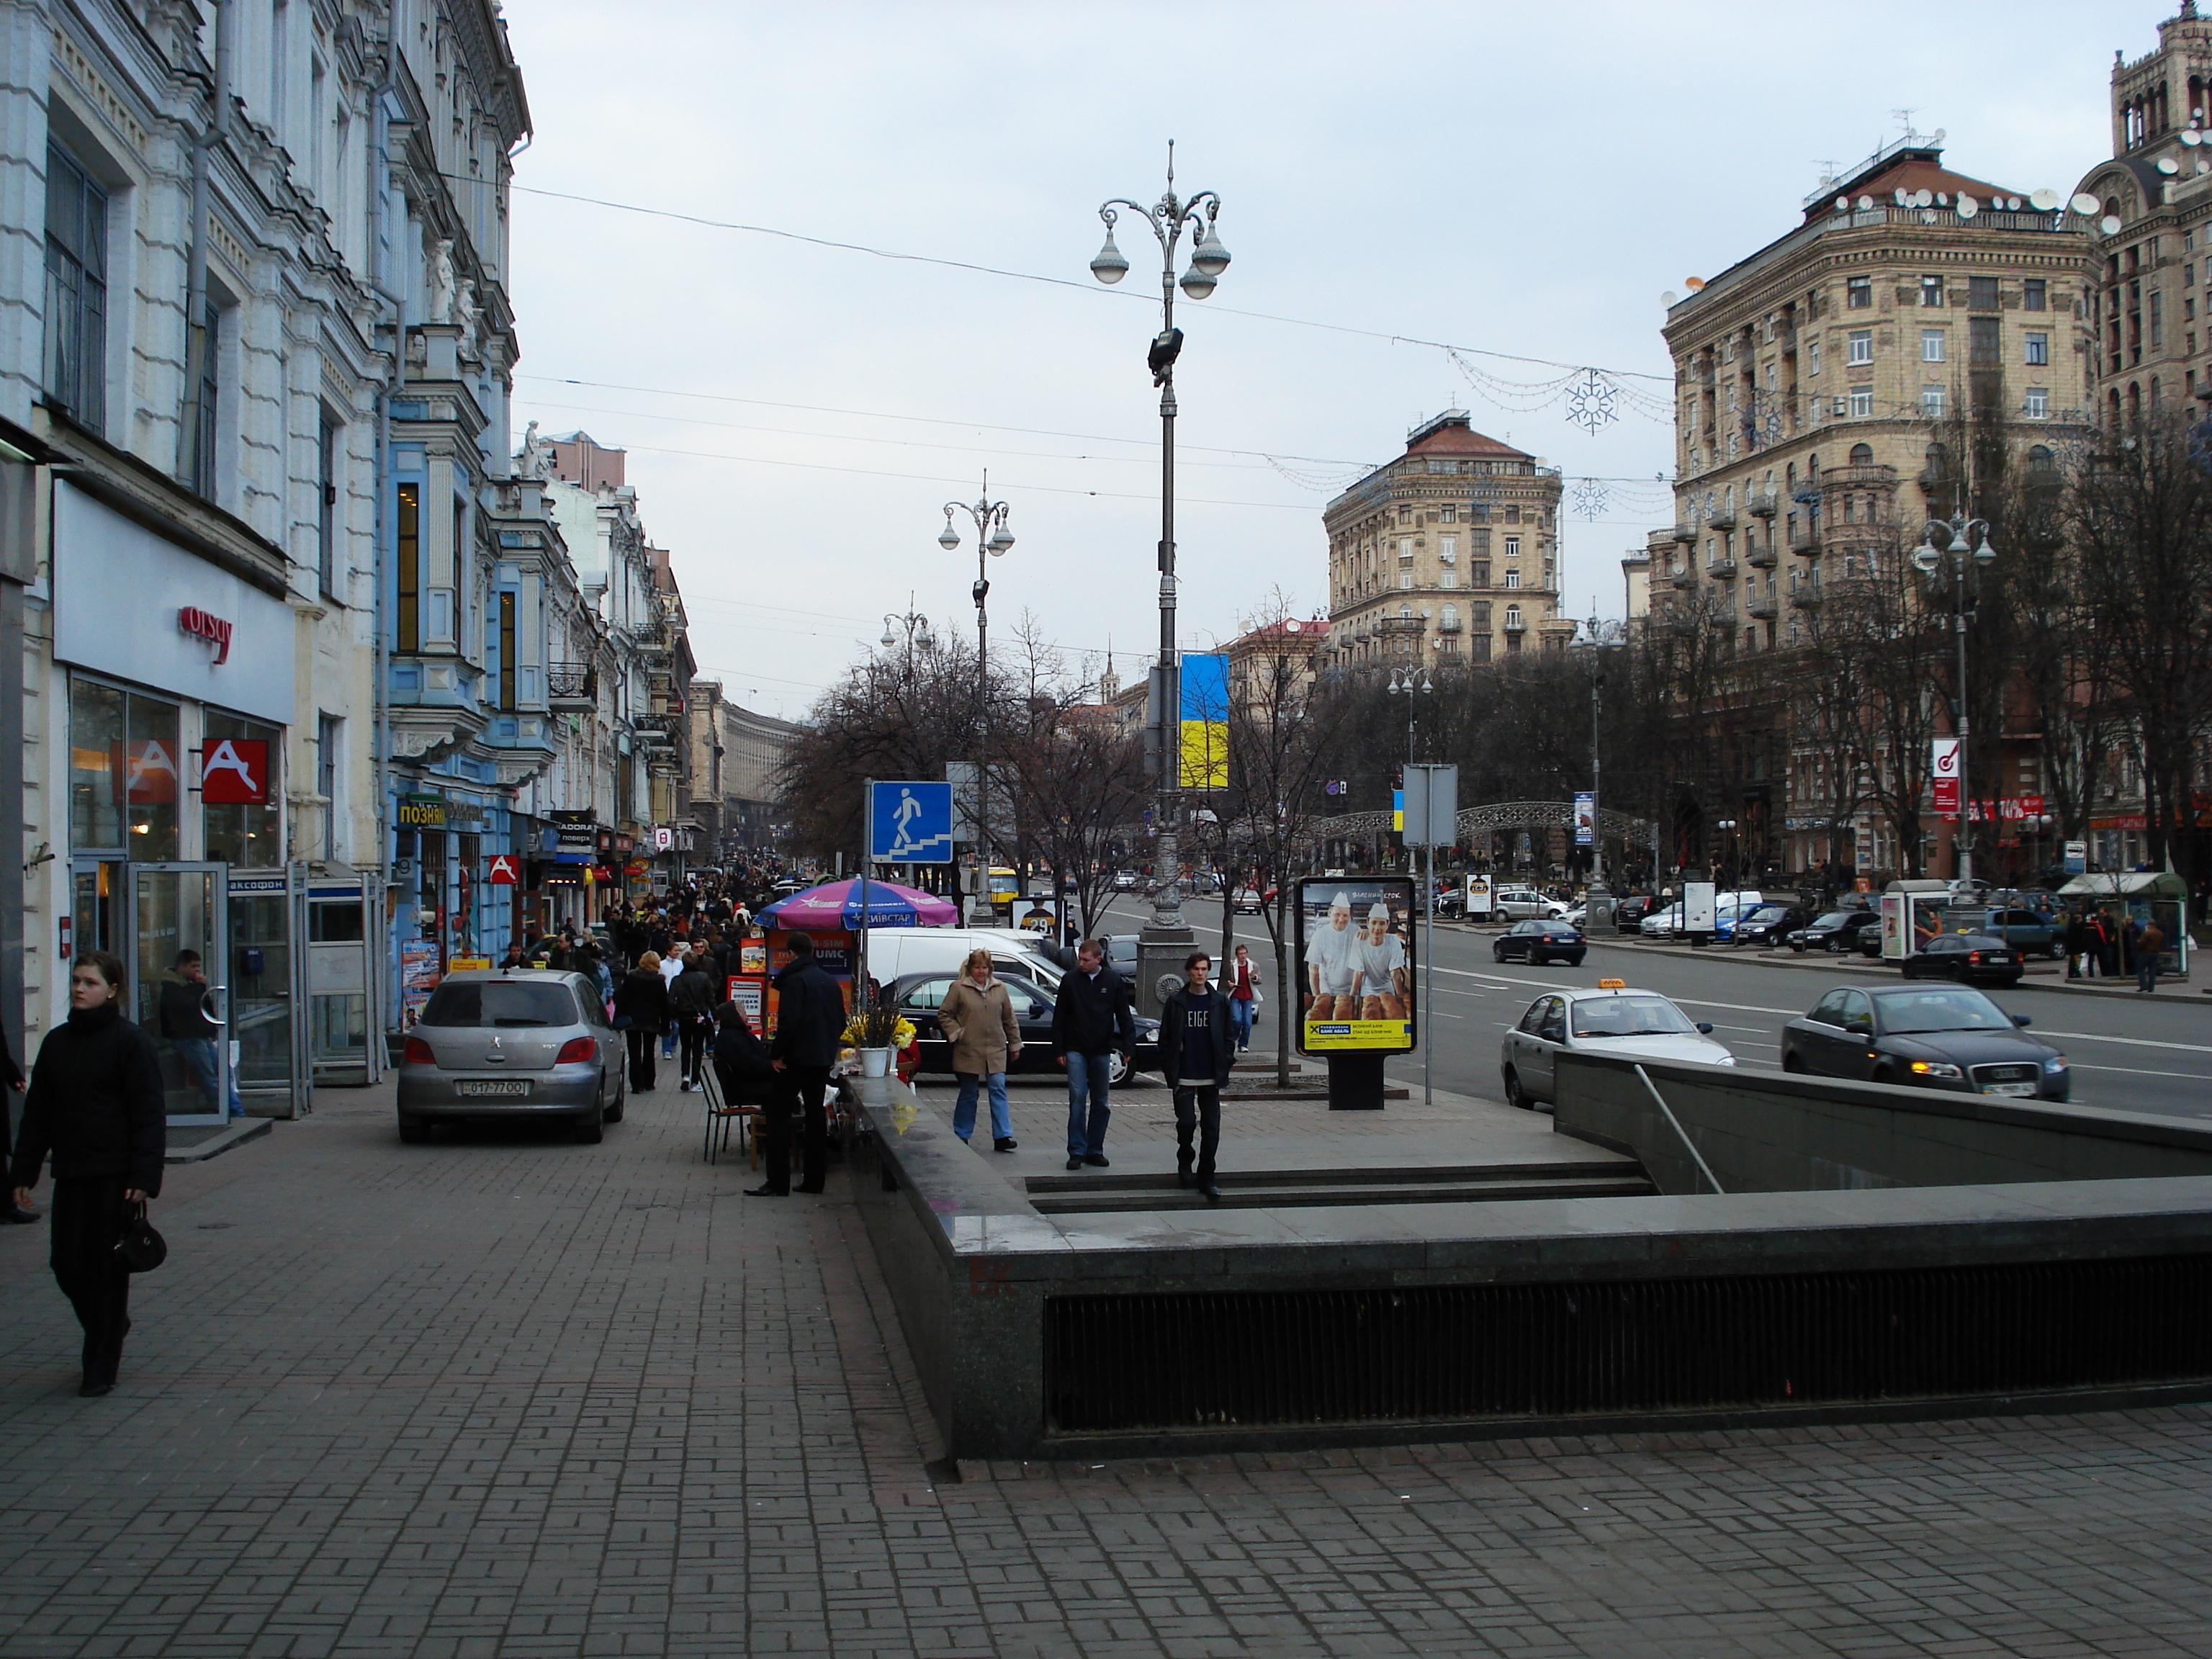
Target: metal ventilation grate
[(1260, 1358)]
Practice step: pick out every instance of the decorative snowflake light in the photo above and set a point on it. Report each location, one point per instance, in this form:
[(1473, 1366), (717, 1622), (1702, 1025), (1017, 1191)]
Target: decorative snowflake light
[(1590, 499), (1590, 401)]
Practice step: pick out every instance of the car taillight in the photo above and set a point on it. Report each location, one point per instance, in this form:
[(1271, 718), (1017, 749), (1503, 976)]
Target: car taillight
[(1973, 956), (417, 1053), (576, 1049)]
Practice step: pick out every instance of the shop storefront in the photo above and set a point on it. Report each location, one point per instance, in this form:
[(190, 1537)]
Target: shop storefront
[(444, 901), (172, 684)]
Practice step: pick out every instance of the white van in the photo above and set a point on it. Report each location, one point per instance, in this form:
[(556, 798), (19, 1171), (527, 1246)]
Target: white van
[(894, 952)]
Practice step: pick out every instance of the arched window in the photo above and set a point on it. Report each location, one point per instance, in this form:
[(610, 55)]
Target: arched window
[(1513, 616), (1450, 619), (1861, 454), (1406, 612)]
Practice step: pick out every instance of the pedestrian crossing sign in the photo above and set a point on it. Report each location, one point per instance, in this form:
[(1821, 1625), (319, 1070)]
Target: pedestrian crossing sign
[(910, 822)]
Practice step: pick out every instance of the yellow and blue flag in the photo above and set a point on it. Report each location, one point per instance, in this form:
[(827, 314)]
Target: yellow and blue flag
[(1204, 762)]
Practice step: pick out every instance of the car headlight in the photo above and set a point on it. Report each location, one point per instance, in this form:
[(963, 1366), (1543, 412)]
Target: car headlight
[(1937, 1068), (1724, 1059), (2054, 1065)]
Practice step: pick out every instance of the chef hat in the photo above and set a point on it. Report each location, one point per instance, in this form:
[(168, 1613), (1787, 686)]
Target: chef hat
[(1342, 901), (1378, 911)]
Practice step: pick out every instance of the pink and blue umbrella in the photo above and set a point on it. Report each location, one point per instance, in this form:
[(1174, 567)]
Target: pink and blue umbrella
[(836, 905)]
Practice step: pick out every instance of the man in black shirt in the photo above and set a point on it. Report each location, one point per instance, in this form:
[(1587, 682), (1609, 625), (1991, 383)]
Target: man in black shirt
[(1091, 1018), (1197, 1045)]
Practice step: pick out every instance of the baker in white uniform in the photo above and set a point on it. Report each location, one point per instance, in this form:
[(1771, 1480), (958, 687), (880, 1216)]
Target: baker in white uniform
[(1332, 965), (1382, 977)]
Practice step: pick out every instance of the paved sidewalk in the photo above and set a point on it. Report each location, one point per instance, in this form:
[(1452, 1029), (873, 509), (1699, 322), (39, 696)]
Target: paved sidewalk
[(505, 1395)]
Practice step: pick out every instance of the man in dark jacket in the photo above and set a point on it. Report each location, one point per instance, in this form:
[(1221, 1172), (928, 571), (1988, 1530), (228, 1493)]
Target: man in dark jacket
[(810, 1022), (189, 1030), (1197, 1045), (1091, 1019)]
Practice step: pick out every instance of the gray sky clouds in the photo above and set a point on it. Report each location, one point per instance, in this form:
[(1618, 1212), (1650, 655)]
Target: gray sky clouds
[(1523, 179)]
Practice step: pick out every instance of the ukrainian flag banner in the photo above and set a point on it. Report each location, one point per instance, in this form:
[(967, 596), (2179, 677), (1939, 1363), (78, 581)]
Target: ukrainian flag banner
[(1204, 762)]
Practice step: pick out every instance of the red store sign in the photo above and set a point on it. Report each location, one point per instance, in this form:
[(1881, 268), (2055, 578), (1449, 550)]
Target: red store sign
[(234, 772), (206, 625)]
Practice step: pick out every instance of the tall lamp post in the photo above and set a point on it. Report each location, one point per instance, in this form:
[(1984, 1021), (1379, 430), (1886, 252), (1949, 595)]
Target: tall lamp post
[(1168, 219), (1956, 565), (992, 538)]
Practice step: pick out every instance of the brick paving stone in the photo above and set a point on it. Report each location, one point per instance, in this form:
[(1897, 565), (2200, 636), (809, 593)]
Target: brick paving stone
[(504, 1397)]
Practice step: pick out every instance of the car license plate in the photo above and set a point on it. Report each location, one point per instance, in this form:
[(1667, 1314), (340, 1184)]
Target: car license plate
[(499, 1088), (2018, 1090)]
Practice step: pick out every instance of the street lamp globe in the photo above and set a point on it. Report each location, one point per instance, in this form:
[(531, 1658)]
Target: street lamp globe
[(1196, 284), (1110, 266), (949, 537), (1001, 540), (1987, 551), (1209, 255)]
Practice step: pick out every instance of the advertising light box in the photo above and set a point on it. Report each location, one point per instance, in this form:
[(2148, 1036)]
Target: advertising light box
[(1354, 938)]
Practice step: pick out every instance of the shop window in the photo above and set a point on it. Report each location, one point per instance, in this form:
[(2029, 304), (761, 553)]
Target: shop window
[(124, 773), (241, 757), (507, 651), (326, 506)]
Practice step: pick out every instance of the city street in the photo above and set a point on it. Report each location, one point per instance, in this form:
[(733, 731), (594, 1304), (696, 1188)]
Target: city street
[(2133, 1053), (507, 1395)]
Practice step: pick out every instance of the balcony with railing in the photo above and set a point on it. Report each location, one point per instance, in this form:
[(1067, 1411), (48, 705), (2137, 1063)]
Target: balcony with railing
[(1763, 504), (1806, 596), (572, 687), (1805, 541), (1515, 623), (1685, 576), (1449, 623), (1720, 566), (1721, 518), (1684, 533), (1399, 625), (1761, 605), (1759, 555)]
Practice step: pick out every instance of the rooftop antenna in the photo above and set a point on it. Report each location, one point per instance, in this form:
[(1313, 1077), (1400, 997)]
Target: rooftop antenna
[(1904, 119)]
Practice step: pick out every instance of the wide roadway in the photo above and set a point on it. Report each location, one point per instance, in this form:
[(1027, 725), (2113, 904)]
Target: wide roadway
[(2141, 1053)]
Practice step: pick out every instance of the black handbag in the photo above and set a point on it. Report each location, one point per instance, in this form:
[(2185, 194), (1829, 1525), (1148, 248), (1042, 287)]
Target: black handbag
[(142, 1249)]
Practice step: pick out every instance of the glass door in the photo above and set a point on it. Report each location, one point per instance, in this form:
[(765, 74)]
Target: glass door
[(183, 1001), (96, 920)]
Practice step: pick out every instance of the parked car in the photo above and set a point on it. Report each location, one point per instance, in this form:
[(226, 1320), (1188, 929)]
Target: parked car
[(1124, 880), (1768, 924), (1613, 1019), (1868, 940), (919, 996), (1121, 954), (1727, 907), (1540, 942), (1247, 902), (1970, 958), (1523, 904), (897, 952), (524, 1042), (1628, 912), (1938, 1036), (1839, 930)]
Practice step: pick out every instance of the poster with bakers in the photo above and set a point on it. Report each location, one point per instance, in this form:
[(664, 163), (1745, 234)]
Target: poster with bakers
[(1354, 939)]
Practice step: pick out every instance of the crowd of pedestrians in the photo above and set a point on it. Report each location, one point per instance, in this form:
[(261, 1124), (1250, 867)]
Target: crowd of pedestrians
[(2099, 946)]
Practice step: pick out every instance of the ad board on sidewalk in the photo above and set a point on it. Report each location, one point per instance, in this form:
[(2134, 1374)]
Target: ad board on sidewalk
[(1354, 943)]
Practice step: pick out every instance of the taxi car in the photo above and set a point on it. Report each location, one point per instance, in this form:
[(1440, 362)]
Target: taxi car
[(1613, 1019)]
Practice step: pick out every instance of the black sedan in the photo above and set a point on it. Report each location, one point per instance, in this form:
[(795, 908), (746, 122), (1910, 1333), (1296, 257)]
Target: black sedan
[(1839, 930), (1941, 1037), (1628, 912), (1970, 958), (1768, 925), (1539, 942), (919, 996)]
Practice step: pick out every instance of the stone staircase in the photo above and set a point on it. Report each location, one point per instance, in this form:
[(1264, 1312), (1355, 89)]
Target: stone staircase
[(1093, 1192)]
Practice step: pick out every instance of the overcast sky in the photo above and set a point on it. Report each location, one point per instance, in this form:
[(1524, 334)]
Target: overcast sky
[(1524, 179)]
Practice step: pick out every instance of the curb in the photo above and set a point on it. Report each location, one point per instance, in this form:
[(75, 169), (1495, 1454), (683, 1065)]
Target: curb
[(236, 1133)]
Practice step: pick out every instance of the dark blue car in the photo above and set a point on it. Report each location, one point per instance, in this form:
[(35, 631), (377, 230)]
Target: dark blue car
[(1540, 941)]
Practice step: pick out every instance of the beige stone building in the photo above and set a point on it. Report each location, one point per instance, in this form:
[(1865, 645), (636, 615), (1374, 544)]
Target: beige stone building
[(1448, 555), (2150, 304), (1813, 377)]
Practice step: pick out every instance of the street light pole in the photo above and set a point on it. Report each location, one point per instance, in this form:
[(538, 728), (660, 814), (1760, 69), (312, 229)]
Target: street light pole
[(992, 538), (1168, 219), (1966, 556)]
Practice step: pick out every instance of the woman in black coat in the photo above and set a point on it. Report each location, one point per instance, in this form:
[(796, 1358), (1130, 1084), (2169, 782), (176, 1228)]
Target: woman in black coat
[(741, 1063), (642, 1000), (96, 1103)]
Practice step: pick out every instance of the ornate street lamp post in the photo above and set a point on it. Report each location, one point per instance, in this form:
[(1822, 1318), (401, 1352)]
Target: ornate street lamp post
[(1967, 550), (992, 538), (1168, 219)]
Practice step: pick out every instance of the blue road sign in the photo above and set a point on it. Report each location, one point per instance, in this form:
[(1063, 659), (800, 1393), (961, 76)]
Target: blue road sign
[(913, 823)]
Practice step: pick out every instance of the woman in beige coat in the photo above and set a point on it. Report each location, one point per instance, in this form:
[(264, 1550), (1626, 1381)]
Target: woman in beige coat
[(978, 1020)]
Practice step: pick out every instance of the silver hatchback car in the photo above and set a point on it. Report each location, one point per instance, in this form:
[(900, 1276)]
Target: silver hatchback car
[(524, 1043)]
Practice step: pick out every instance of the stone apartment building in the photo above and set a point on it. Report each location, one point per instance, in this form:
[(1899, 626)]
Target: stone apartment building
[(1818, 379), (1447, 555)]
